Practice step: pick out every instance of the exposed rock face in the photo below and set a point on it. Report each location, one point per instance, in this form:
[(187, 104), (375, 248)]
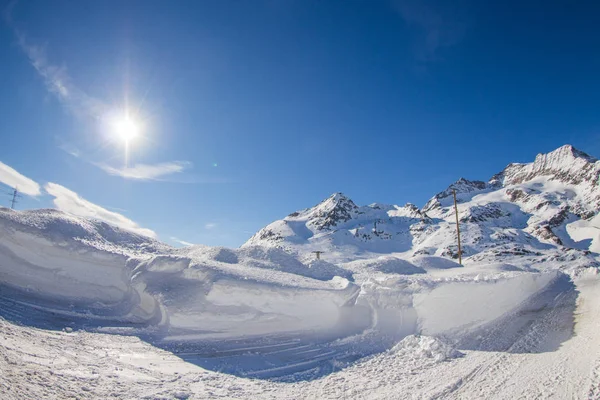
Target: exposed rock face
[(334, 210), (566, 164), (461, 186), (269, 234), (484, 213), (516, 194)]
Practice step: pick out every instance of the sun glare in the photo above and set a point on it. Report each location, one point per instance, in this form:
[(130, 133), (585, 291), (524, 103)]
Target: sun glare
[(126, 129)]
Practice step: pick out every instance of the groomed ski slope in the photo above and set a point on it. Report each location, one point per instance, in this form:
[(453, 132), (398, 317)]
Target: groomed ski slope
[(555, 355)]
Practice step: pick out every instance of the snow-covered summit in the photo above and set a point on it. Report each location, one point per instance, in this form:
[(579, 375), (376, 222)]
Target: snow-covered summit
[(566, 164), (338, 225), (337, 208)]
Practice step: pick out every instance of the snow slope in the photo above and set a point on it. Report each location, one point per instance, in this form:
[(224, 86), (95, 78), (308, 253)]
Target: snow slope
[(92, 311)]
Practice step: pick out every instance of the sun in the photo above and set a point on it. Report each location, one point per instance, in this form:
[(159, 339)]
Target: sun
[(126, 129)]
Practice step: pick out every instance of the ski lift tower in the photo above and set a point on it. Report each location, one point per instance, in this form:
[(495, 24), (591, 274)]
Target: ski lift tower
[(318, 254)]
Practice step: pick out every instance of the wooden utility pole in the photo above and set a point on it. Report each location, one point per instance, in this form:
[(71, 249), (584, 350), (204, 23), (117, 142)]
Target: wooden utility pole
[(457, 227)]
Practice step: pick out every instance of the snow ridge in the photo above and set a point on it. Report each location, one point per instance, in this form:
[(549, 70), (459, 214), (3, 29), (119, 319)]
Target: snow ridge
[(566, 164)]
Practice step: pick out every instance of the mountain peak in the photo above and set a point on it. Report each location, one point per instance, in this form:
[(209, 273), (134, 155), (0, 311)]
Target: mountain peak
[(565, 152), (566, 164), (337, 199), (338, 196), (333, 210)]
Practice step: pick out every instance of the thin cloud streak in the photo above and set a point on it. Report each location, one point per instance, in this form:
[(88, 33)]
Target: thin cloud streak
[(210, 225), (153, 172), (183, 242), (147, 171), (11, 177), (69, 201), (58, 81), (71, 150)]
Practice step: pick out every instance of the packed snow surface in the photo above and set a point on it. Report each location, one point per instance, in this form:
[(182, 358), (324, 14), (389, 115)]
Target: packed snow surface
[(88, 310), (417, 347)]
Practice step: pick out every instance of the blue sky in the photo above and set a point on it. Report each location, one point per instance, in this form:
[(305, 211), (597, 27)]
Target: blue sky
[(250, 110)]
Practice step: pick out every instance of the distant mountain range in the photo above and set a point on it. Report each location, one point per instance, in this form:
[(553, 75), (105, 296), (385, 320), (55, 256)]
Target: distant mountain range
[(543, 210)]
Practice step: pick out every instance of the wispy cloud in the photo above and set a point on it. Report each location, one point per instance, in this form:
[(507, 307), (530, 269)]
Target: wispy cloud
[(70, 149), (69, 201), (154, 172), (183, 242), (210, 225), (436, 25), (11, 177), (58, 82), (147, 171), (56, 78)]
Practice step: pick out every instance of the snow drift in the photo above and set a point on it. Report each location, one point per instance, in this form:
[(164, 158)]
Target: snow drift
[(68, 266)]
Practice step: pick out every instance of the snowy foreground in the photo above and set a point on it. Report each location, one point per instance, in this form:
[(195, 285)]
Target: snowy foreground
[(543, 360), (88, 310)]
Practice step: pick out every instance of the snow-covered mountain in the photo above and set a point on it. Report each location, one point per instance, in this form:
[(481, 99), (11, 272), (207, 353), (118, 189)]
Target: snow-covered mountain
[(535, 211)]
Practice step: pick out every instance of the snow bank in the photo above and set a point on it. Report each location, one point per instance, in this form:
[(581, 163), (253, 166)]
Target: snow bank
[(431, 262), (415, 347), (323, 270), (68, 266), (385, 264), (461, 306), (84, 282), (209, 300), (495, 267)]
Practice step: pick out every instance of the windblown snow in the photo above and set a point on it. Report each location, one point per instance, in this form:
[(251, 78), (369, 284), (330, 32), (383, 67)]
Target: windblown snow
[(90, 310)]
